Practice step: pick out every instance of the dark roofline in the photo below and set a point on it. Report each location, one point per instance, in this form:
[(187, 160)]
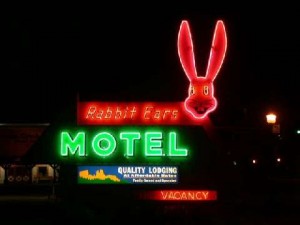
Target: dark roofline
[(23, 124)]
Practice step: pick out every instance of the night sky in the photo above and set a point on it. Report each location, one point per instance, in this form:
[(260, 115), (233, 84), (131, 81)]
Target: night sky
[(51, 58)]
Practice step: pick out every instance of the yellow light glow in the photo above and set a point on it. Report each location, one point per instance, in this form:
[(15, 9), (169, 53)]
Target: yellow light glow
[(271, 118)]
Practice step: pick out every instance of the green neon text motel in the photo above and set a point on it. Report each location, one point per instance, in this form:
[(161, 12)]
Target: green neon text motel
[(72, 145), (103, 144)]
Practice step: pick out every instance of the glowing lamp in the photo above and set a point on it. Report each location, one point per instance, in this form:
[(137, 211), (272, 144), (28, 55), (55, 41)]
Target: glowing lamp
[(279, 160), (271, 118)]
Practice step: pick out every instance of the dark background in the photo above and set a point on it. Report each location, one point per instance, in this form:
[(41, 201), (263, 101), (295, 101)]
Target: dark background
[(50, 57)]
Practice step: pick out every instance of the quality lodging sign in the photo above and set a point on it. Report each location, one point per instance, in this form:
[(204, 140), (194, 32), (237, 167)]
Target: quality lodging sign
[(127, 174)]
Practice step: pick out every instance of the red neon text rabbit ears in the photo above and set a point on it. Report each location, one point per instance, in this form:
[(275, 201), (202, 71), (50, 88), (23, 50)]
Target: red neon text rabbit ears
[(217, 52)]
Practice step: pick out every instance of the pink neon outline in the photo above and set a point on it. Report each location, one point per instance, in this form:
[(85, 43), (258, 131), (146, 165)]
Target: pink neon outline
[(186, 53), (220, 33), (207, 112), (188, 62)]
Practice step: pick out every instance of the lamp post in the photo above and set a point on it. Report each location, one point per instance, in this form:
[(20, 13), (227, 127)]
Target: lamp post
[(273, 143), (271, 119)]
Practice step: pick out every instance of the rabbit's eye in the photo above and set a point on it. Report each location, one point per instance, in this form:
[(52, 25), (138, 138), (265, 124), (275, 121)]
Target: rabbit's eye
[(206, 90), (192, 90)]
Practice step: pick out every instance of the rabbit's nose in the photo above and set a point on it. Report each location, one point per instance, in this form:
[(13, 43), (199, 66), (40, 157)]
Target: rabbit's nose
[(201, 109)]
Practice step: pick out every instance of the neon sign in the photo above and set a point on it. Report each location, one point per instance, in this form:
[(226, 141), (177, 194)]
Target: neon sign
[(105, 143), (201, 100), (133, 113), (179, 195), (192, 111)]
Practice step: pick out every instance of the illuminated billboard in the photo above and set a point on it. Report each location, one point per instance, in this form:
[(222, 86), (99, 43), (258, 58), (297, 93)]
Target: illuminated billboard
[(150, 142)]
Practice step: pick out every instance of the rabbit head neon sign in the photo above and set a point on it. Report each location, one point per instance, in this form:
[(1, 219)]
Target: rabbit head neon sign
[(201, 100), (192, 111)]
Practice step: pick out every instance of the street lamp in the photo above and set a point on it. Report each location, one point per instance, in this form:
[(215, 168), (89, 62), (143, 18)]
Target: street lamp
[(271, 118)]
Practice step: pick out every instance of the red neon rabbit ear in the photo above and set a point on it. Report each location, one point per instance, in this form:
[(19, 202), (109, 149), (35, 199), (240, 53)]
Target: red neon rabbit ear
[(185, 50), (217, 51)]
